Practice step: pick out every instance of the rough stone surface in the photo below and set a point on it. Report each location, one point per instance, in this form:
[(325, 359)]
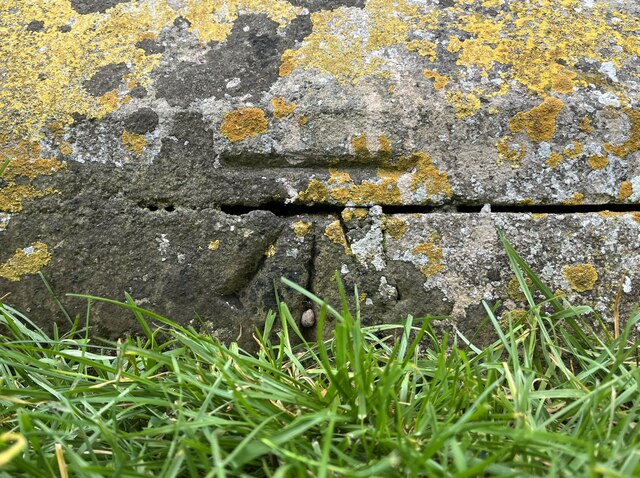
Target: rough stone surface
[(193, 152)]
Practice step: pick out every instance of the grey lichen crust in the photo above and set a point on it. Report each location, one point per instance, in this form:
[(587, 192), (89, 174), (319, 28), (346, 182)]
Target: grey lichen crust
[(133, 125)]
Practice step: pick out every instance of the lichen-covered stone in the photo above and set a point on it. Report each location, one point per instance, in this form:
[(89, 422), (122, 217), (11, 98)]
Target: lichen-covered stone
[(131, 126)]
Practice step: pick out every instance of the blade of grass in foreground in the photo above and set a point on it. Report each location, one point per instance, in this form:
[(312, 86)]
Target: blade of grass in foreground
[(392, 400)]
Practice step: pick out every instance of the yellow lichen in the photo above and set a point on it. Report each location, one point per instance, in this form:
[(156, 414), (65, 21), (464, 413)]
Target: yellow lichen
[(540, 121), (424, 48), (513, 153), (301, 228), (440, 80), (466, 104), (339, 177), (25, 167), (554, 160), (303, 120), (633, 142), (360, 148), (282, 109), (335, 233), (421, 178), (585, 125), (29, 260), (426, 176), (385, 148), (574, 200), (350, 212), (395, 227), (244, 123), (625, 191), (574, 150), (316, 192), (513, 316), (134, 142), (271, 251), (598, 161), (214, 245), (514, 291), (581, 277), (434, 255), (65, 148), (212, 20)]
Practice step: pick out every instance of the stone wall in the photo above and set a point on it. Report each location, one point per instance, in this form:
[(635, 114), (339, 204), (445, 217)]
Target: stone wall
[(192, 152)]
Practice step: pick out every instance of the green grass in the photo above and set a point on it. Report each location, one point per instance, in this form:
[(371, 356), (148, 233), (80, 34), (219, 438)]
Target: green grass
[(555, 395)]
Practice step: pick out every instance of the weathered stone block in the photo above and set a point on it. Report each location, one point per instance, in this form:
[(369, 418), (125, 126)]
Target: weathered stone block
[(192, 152)]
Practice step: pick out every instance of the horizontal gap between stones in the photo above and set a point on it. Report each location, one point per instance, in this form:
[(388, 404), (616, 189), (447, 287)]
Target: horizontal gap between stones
[(285, 210)]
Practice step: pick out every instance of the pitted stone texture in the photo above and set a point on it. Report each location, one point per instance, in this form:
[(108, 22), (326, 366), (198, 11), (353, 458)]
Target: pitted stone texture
[(441, 264)]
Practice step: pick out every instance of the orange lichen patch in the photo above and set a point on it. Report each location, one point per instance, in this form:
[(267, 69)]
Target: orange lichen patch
[(303, 120), (134, 142), (23, 169), (271, 251), (574, 150), (513, 153), (214, 245), (395, 227), (282, 109), (585, 125), (625, 191), (243, 123), (540, 121), (581, 277), (316, 192), (29, 260), (434, 255), (440, 80), (554, 160), (466, 104), (598, 161), (576, 199), (301, 228), (335, 233), (633, 143)]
